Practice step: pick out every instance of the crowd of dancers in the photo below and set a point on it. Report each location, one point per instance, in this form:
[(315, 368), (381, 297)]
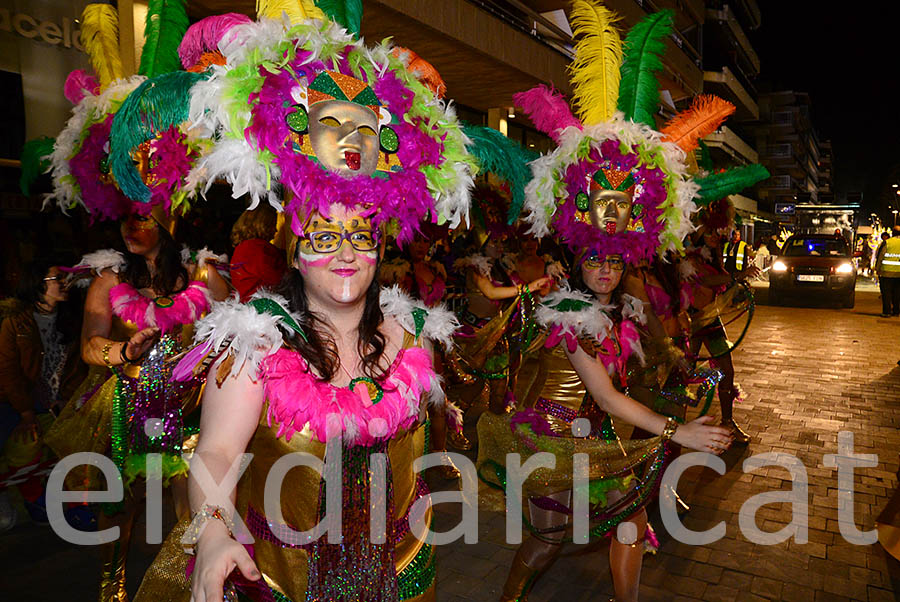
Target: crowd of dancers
[(398, 277)]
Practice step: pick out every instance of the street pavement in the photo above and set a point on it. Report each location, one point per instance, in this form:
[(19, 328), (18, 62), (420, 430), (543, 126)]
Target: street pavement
[(807, 373)]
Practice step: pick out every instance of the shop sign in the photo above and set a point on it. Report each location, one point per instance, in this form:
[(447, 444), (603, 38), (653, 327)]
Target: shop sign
[(67, 33)]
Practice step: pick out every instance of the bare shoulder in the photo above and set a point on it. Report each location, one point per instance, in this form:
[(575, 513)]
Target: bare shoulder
[(104, 281)]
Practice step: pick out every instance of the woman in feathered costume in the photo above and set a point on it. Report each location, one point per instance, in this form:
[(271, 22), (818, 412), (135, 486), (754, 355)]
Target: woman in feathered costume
[(142, 303), (499, 308), (616, 192), (355, 144)]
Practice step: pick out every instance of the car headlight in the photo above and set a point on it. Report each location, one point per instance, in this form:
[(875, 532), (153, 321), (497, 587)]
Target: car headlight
[(779, 266), (845, 268)]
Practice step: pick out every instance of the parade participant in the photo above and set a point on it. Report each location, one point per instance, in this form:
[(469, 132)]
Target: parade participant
[(706, 284), (489, 343), (124, 155), (494, 333), (616, 192), (359, 146)]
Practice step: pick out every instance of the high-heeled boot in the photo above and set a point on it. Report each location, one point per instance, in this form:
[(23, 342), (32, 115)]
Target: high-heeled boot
[(726, 399), (519, 582), (112, 572)]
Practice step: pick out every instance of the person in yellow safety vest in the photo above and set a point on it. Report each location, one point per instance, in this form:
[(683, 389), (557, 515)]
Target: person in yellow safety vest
[(887, 264), (736, 254)]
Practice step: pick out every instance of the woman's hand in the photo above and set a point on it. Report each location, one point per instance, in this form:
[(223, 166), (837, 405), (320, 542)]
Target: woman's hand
[(140, 343), (700, 435), (217, 556), (541, 285)]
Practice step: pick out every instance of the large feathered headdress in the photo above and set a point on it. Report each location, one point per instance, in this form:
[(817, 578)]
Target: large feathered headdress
[(614, 145), (265, 103)]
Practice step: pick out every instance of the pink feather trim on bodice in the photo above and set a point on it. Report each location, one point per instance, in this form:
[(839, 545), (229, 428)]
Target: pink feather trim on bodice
[(186, 307), (298, 398)]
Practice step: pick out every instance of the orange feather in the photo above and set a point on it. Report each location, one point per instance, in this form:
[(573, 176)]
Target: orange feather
[(704, 117)]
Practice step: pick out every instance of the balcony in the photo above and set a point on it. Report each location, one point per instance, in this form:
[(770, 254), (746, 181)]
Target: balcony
[(482, 57), (727, 141), (724, 83), (727, 19)]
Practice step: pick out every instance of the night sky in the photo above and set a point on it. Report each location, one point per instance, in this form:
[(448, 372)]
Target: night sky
[(849, 62)]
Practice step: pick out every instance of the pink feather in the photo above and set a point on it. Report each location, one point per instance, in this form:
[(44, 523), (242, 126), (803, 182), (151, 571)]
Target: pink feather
[(79, 84), (204, 36), (548, 109), (297, 399)]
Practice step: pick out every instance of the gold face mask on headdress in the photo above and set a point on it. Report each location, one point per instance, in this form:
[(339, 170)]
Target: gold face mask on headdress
[(609, 205), (340, 122), (610, 210), (344, 137)]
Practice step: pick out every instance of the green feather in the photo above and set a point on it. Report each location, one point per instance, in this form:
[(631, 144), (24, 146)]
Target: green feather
[(704, 158), (264, 305), (504, 158), (719, 185), (346, 13), (644, 47), (151, 109), (166, 23), (35, 161)]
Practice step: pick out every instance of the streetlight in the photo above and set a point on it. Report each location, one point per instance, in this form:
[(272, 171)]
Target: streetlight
[(895, 217)]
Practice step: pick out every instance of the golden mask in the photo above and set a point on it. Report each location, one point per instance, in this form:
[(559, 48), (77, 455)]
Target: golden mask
[(344, 137), (610, 210)]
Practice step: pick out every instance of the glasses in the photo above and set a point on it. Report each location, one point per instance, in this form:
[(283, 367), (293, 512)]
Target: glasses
[(329, 241), (615, 262)]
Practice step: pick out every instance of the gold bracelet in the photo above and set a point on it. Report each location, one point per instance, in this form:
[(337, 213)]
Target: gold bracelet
[(671, 427), (106, 349), (201, 517)]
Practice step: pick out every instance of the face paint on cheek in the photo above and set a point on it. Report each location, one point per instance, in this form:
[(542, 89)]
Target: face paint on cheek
[(368, 258), (315, 260)]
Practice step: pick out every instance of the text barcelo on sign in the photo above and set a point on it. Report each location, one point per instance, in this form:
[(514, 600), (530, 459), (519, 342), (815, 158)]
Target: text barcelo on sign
[(68, 33)]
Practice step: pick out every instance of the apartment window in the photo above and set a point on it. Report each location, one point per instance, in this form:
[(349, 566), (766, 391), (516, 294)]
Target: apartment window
[(779, 150), (783, 118), (780, 182)]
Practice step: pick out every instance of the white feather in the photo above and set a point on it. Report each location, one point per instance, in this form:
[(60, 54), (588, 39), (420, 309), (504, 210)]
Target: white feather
[(246, 335), (480, 263), (105, 259), (440, 323), (589, 322), (633, 309)]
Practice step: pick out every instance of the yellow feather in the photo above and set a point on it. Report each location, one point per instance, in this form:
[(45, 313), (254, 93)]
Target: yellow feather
[(598, 58), (297, 10), (100, 39)]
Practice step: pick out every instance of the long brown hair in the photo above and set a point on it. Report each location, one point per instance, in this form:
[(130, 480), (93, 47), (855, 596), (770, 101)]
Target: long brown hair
[(320, 349), (171, 276)]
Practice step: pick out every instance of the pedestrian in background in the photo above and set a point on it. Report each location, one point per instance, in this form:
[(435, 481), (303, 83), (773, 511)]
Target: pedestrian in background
[(736, 254), (772, 245), (887, 265), (763, 258), (40, 367)]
